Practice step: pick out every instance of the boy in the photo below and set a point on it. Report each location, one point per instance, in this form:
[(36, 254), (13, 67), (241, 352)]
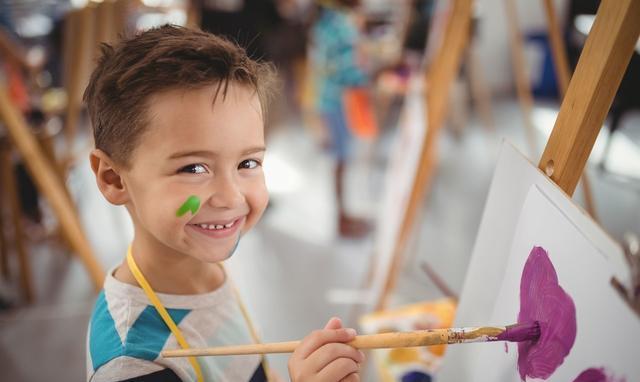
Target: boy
[(178, 114)]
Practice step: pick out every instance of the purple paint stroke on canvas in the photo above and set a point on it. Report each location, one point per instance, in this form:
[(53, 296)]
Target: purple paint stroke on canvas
[(542, 299), (592, 375), (596, 375)]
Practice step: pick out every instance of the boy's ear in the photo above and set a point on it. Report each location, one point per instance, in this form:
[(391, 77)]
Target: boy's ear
[(108, 178)]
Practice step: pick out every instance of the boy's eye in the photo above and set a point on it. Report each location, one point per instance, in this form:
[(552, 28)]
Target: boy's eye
[(194, 169), (249, 164)]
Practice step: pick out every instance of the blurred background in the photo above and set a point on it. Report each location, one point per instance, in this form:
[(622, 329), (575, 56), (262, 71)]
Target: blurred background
[(350, 115)]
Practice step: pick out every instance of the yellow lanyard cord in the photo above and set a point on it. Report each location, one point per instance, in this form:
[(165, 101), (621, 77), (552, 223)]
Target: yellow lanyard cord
[(162, 311), (247, 318)]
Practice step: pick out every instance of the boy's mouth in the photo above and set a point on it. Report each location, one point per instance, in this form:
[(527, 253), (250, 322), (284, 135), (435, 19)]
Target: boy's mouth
[(213, 226), (218, 228)]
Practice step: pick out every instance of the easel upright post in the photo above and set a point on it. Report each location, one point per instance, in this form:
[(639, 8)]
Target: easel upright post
[(563, 73), (600, 68), (10, 185), (79, 56)]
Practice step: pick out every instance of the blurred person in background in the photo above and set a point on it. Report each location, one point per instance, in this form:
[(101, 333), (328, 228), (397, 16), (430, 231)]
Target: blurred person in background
[(338, 66)]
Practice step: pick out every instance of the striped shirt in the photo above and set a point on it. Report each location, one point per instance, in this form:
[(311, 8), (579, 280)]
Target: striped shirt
[(126, 335)]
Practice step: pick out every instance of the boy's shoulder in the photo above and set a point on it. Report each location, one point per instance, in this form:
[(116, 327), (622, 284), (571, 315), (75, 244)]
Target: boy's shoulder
[(124, 323), (126, 333), (124, 327), (125, 336)]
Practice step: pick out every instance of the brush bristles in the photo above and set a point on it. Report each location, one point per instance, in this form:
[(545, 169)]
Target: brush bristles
[(524, 331)]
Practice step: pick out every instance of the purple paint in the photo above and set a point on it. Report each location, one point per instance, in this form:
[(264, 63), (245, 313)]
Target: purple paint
[(506, 347), (592, 375), (596, 375), (543, 300)]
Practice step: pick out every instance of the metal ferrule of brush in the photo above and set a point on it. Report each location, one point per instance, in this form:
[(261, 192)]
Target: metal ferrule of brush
[(474, 334)]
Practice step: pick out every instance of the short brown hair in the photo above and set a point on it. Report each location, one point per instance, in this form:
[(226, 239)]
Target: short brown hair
[(157, 60)]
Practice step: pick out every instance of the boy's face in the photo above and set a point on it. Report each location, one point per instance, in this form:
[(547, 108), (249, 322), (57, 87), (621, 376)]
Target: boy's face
[(192, 147)]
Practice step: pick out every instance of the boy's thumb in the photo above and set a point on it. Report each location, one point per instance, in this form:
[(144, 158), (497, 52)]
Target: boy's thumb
[(334, 323)]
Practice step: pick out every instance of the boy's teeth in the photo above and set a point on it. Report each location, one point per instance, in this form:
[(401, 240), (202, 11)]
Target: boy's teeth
[(215, 226)]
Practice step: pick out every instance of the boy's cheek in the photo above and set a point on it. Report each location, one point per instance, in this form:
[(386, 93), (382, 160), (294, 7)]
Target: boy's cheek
[(159, 207), (175, 195), (261, 197), (260, 205)]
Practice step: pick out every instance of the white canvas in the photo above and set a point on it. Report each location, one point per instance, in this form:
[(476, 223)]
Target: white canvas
[(513, 177), (607, 329)]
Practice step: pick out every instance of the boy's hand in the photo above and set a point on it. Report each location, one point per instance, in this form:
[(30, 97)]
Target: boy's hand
[(324, 356)]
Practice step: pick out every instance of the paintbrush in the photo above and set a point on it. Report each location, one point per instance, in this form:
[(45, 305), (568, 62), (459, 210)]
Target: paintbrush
[(512, 333)]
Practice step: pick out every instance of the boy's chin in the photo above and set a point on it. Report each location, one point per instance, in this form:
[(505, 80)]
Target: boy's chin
[(214, 256)]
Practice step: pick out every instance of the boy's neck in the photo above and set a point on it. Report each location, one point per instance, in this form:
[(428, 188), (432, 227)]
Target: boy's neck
[(168, 271)]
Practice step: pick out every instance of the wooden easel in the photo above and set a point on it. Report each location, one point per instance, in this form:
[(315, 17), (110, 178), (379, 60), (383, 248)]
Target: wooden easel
[(9, 198), (48, 183), (590, 93), (480, 100), (598, 75), (84, 30), (78, 55), (439, 79), (523, 88), (563, 73), (4, 247)]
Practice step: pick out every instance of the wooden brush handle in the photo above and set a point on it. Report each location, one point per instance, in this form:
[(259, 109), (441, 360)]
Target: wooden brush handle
[(371, 341)]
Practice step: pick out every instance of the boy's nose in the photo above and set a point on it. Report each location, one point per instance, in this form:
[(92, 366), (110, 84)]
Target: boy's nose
[(226, 194)]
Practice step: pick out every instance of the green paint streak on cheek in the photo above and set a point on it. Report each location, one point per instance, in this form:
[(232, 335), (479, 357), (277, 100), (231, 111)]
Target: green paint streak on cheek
[(191, 204)]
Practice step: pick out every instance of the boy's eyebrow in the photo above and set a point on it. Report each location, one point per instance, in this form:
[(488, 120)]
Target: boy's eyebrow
[(254, 150), (197, 153), (206, 153)]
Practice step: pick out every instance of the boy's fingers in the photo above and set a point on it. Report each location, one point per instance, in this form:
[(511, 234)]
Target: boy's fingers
[(338, 370), (353, 377), (320, 337), (333, 323), (327, 353)]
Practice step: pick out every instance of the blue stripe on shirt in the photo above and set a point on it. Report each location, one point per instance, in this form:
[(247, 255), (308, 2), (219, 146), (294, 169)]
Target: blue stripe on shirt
[(144, 340)]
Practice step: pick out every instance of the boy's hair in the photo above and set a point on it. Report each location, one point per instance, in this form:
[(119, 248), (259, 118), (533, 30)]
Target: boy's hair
[(161, 59)]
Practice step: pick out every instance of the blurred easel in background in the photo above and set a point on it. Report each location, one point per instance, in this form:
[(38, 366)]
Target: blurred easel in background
[(472, 81), (84, 30), (48, 183), (438, 80)]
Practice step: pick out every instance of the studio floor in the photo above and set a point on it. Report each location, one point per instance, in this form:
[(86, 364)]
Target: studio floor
[(289, 266)]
